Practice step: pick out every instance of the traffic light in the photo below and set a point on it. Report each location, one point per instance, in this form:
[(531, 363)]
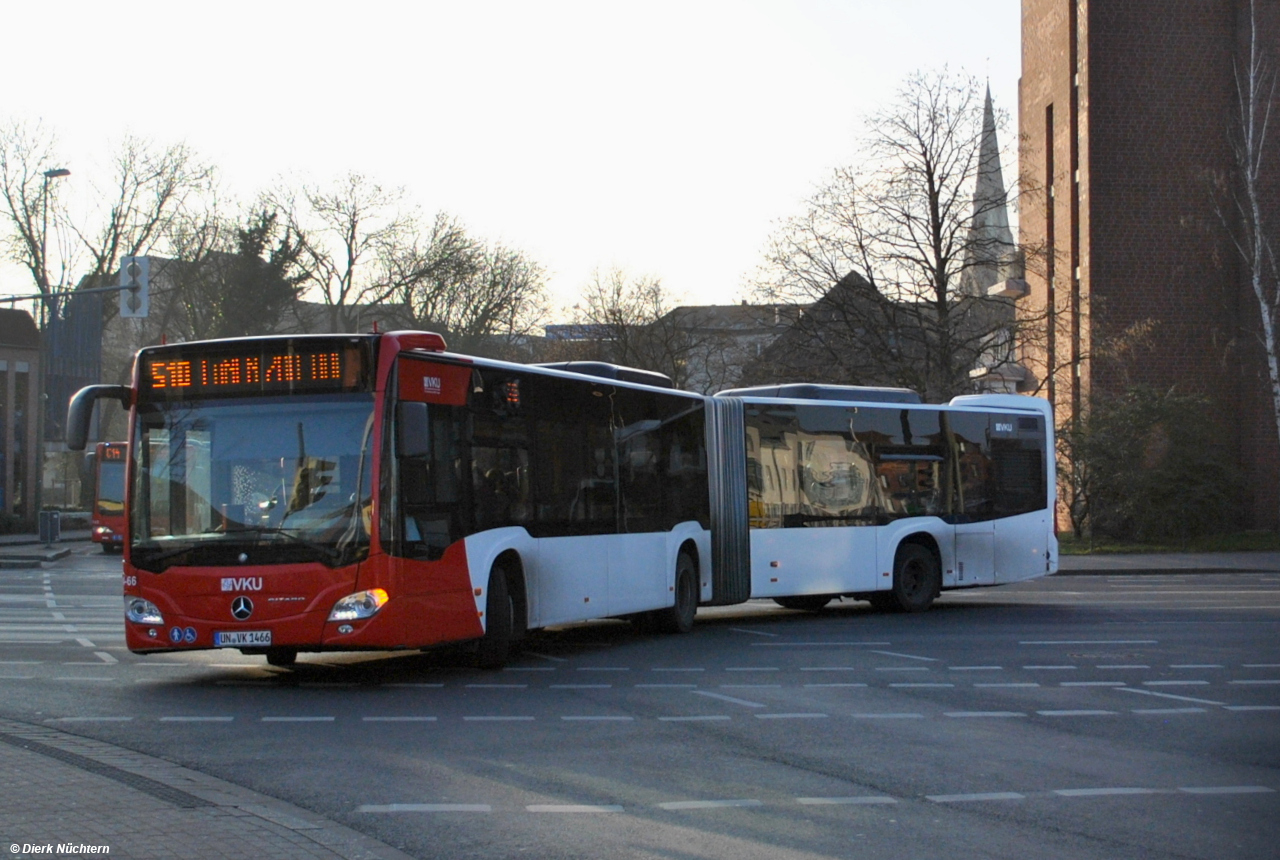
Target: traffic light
[(135, 277)]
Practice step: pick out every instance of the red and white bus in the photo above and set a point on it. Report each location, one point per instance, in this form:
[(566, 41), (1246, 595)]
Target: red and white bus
[(348, 492), (344, 492), (106, 522)]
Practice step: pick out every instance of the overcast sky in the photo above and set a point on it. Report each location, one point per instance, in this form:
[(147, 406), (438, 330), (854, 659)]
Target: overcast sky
[(664, 138)]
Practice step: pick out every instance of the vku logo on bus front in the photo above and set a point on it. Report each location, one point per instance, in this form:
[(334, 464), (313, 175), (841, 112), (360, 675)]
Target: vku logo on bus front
[(241, 583)]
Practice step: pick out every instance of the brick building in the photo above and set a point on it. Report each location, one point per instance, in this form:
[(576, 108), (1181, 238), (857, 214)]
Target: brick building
[(1124, 118)]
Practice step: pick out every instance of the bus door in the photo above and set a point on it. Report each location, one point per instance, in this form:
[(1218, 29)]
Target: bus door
[(972, 498)]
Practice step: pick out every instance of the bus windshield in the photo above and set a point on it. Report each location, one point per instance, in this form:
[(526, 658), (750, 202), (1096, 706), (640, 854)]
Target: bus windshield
[(252, 480), (111, 488)]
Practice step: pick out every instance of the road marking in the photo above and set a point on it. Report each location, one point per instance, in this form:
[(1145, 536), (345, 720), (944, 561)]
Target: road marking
[(570, 808), (1252, 707), (970, 714), (666, 686), (1195, 665), (708, 804), (86, 643), (729, 699), (1010, 684), (581, 686), (1175, 683), (751, 669), (1169, 711), (903, 669), (196, 719), (1091, 684), (691, 719), (1050, 668), (1165, 695), (297, 719), (828, 669), (398, 719), (888, 716), (673, 669), (970, 798), (851, 684), (921, 685), (604, 669), (497, 686), (546, 657), (790, 716), (498, 719), (811, 644), (529, 668), (1261, 665), (1080, 713), (906, 656), (1227, 789), (71, 678), (1103, 792), (1255, 682), (21, 662), (600, 719), (1090, 642), (91, 720), (1125, 666), (750, 686), (853, 801), (427, 807), (752, 632), (975, 668)]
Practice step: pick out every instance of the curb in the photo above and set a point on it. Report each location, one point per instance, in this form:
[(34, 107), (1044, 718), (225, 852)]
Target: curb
[(186, 788), (1158, 571), (20, 560)]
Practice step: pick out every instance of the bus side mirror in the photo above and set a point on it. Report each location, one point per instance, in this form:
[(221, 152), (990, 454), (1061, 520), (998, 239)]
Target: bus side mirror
[(80, 411), (413, 432)]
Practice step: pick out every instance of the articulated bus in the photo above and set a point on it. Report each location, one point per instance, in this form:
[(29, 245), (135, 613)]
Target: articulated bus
[(106, 521), (347, 492)]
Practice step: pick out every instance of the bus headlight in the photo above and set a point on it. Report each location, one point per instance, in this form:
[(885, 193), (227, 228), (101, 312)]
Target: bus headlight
[(362, 604), (141, 611)]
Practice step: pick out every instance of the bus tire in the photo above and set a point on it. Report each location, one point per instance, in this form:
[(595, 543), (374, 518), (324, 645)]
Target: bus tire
[(494, 647), (679, 617), (804, 602), (282, 656), (917, 578)]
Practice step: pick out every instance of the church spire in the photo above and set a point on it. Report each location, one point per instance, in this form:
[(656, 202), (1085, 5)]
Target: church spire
[(990, 249)]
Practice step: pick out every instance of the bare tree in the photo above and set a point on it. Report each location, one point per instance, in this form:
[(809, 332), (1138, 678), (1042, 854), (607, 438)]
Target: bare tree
[(358, 243), (28, 155), (1252, 199), (889, 252), (634, 322)]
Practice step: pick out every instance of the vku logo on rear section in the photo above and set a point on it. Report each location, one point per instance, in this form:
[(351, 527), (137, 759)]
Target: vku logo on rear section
[(241, 583)]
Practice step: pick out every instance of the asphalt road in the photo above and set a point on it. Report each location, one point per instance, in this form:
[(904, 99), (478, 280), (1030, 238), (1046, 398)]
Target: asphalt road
[(1073, 717)]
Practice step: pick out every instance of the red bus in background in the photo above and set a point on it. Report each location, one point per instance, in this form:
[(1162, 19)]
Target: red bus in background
[(107, 520)]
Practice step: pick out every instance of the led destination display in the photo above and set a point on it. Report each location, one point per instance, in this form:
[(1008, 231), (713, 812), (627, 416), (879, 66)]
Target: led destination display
[(273, 367)]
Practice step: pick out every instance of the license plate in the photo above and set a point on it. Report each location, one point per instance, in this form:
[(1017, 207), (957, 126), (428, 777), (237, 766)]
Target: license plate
[(241, 638)]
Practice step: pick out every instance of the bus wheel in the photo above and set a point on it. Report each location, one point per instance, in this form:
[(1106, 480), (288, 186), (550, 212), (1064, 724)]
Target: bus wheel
[(804, 602), (495, 647), (679, 618), (282, 656), (916, 578)]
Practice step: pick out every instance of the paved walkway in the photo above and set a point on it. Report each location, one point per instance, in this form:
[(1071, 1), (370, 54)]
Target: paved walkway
[(61, 789), (1173, 562)]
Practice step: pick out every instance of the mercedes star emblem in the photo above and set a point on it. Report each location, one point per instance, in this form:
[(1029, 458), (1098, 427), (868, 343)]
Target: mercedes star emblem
[(241, 608)]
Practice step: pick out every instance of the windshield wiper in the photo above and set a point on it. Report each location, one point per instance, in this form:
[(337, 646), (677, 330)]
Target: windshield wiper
[(330, 553), (292, 535)]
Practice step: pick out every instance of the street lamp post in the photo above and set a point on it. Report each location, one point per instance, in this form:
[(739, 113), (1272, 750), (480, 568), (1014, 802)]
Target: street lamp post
[(48, 307)]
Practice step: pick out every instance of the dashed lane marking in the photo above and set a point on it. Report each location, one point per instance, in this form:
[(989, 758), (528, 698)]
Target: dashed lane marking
[(847, 684), (1010, 684), (666, 686), (1167, 696), (297, 719), (427, 807), (1124, 666), (1162, 711), (975, 668), (752, 632), (888, 716), (904, 684), (91, 720), (729, 699), (828, 669), (1256, 682), (604, 668), (529, 668), (975, 798), (906, 656), (752, 669), (570, 808), (398, 719), (1091, 684), (676, 669), (1050, 668), (790, 716), (547, 657), (699, 719), (903, 669), (750, 686), (591, 719), (983, 714), (1175, 683), (497, 686), (1103, 792), (709, 804), (1260, 665), (1227, 789), (1195, 666), (105, 657), (1077, 713), (867, 800), (1252, 707), (813, 644), (197, 719), (581, 686), (1090, 642), (498, 719)]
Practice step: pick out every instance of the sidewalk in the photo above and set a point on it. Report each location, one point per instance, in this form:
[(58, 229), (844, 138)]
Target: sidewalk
[(21, 551), (62, 789), (1172, 562)]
